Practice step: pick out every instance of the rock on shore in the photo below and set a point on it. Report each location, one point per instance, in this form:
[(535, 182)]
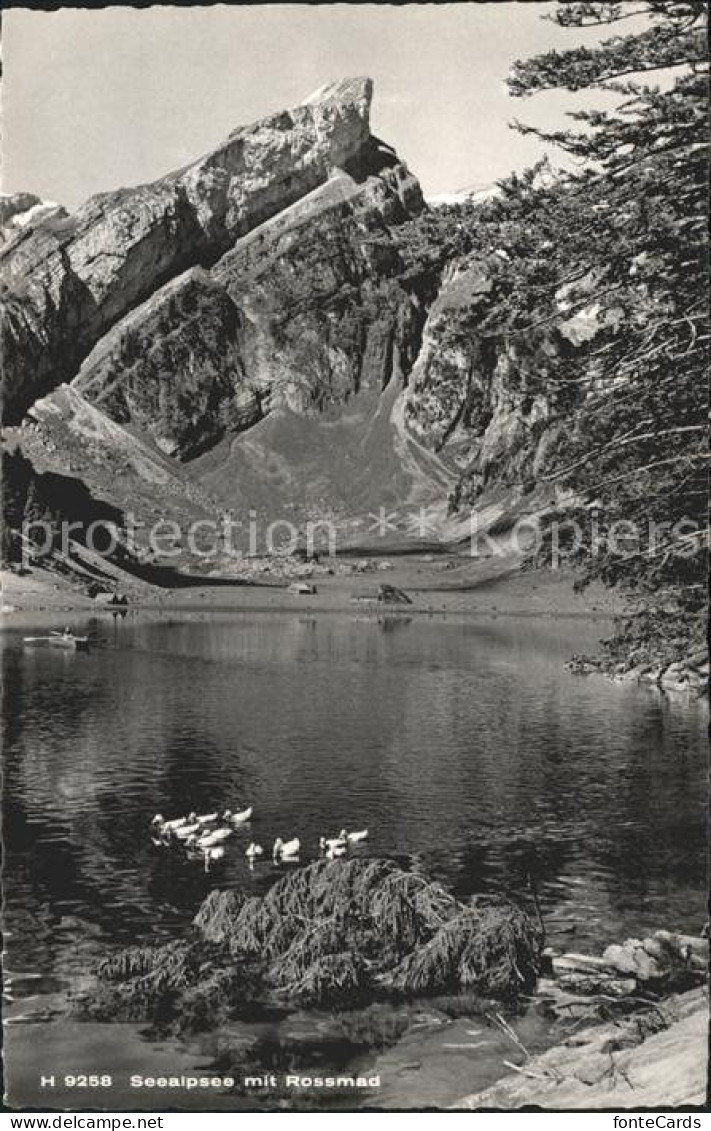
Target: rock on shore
[(658, 1059), (689, 676)]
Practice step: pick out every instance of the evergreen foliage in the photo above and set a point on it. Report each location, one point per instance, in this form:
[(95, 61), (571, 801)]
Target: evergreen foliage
[(621, 242), (335, 934), (638, 446)]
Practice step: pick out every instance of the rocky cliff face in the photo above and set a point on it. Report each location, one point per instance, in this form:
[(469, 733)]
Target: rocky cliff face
[(69, 280), (173, 368), (261, 309), (325, 313), (475, 393), (22, 211), (303, 312)]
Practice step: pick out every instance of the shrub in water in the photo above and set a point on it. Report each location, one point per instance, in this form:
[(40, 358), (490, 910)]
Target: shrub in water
[(334, 934)]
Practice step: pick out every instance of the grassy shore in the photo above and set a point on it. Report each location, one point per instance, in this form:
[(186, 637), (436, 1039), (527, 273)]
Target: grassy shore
[(436, 584)]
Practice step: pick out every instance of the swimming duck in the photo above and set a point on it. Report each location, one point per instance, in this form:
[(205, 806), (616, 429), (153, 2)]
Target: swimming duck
[(353, 838), (164, 826), (286, 849), (253, 851), (185, 831), (336, 842), (336, 850), (206, 840), (205, 819), (237, 818), (210, 855)]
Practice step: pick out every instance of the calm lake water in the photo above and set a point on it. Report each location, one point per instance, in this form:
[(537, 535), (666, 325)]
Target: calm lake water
[(462, 744)]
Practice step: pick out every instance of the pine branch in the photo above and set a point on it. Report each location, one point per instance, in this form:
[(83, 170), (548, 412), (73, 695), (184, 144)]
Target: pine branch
[(622, 442), (649, 467), (657, 49)]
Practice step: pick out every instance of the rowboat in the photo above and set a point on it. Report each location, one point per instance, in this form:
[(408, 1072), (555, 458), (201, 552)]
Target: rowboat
[(66, 640)]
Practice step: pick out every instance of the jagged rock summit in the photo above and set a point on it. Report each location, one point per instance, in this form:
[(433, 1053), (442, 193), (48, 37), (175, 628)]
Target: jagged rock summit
[(69, 279), (261, 330), (170, 345)]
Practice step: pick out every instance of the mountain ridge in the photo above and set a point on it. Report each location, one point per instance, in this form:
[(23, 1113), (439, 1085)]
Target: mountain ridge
[(262, 329), (67, 282)]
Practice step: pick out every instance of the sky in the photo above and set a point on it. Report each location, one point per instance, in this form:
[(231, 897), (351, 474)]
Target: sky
[(94, 100)]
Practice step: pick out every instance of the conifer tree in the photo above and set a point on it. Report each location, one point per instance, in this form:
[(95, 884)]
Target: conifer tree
[(627, 236)]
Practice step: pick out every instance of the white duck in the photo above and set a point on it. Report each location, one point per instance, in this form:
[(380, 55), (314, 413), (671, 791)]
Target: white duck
[(205, 819), (286, 849), (185, 831), (237, 818), (159, 822), (206, 840), (210, 855), (253, 851), (327, 845), (336, 850), (353, 838)]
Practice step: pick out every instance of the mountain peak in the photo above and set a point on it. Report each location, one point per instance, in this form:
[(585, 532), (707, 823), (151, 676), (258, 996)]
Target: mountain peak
[(341, 113), (126, 244), (358, 91)]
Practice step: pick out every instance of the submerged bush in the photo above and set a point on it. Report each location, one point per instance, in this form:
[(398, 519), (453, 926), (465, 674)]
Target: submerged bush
[(335, 934)]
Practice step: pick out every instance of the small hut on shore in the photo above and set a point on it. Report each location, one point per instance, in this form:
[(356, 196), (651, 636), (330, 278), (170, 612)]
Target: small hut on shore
[(302, 588)]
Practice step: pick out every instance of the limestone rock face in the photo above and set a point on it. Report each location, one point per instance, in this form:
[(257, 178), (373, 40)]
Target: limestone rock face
[(325, 314), (264, 290), (19, 210), (68, 280), (471, 391), (173, 367), (303, 312), (14, 204), (447, 375), (261, 326)]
